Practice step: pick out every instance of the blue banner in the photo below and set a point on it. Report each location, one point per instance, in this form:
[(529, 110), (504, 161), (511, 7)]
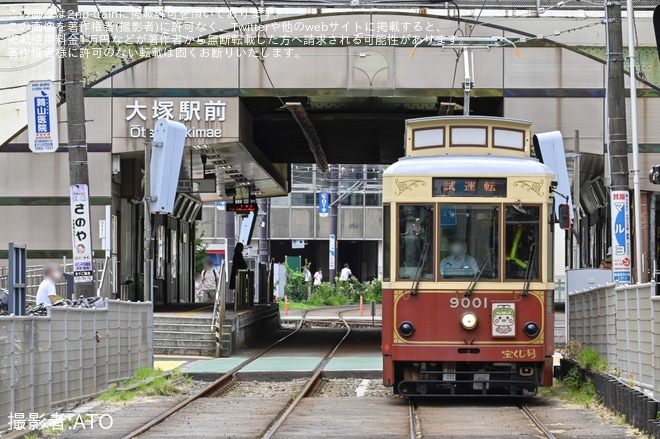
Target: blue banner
[(324, 204)]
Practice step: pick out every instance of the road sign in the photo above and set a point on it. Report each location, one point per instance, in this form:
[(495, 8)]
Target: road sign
[(324, 204), (42, 116), (82, 234), (333, 242), (621, 263)]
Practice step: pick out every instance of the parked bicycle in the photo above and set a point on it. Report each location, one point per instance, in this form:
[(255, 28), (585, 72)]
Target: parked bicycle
[(83, 302)]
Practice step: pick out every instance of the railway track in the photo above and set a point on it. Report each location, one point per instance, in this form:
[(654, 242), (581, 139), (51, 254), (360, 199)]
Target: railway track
[(532, 417), (416, 421), (308, 389), (222, 384)]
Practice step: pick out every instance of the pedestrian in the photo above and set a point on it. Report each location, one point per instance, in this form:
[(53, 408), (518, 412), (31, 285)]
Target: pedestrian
[(346, 273), (46, 294), (307, 275), (238, 263), (607, 262), (199, 291), (210, 281), (318, 277)]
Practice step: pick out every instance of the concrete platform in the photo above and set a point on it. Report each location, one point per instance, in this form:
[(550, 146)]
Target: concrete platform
[(189, 332)]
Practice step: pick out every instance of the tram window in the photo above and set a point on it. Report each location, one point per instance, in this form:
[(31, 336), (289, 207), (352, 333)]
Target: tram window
[(469, 241), (416, 242), (522, 242)]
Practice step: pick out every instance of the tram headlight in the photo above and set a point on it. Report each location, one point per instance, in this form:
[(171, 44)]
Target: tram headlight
[(406, 329), (531, 329), (469, 320)]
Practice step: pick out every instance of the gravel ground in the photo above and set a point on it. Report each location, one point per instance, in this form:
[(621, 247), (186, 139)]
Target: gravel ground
[(351, 387), (264, 389), (194, 387)]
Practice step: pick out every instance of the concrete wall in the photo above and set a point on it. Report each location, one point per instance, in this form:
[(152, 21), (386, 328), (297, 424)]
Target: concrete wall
[(46, 362), (623, 325)]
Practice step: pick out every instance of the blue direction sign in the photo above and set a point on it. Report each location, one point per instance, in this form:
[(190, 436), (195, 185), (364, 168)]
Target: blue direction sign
[(324, 204)]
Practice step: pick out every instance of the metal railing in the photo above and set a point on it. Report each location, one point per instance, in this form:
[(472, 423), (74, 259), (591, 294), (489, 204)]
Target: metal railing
[(35, 276), (73, 354), (622, 323)]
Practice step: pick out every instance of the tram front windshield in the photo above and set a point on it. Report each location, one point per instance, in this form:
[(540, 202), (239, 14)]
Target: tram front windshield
[(469, 241)]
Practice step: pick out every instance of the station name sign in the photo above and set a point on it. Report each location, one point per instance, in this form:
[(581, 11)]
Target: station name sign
[(203, 118), (469, 187)]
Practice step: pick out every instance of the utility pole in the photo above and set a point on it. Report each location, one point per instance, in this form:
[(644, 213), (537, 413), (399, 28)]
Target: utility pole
[(617, 145), (637, 204), (146, 217), (334, 211), (230, 244), (77, 140)]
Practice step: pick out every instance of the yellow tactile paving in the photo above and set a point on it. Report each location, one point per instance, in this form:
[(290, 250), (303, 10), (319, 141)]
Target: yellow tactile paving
[(166, 366)]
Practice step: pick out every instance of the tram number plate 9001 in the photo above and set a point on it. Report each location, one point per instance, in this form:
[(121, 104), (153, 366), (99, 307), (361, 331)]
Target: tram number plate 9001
[(480, 378)]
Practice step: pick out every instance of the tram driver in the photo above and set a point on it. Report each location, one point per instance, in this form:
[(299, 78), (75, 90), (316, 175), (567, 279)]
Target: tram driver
[(458, 263)]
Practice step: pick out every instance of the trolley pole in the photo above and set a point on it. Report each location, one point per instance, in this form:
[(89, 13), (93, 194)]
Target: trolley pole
[(77, 137), (617, 145)]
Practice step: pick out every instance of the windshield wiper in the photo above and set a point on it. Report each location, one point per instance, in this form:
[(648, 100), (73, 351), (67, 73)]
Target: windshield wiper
[(420, 269), (528, 273), (478, 274)]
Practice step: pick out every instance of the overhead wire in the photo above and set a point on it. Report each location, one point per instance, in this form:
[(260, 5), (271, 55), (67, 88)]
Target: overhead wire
[(111, 38)]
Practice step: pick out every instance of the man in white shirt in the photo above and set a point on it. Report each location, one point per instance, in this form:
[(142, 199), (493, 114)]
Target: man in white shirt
[(346, 273), (46, 293)]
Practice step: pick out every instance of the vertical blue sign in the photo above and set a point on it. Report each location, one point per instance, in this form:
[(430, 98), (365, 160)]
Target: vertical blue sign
[(333, 242), (621, 262), (324, 204), (42, 116)]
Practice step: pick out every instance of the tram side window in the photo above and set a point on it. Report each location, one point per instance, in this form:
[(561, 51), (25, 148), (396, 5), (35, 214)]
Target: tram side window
[(522, 242), (469, 241), (416, 242)]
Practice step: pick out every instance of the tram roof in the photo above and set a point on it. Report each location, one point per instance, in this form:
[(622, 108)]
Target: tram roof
[(495, 121), (468, 165)]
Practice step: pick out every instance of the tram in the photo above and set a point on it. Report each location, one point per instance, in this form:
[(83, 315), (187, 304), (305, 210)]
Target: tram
[(468, 218)]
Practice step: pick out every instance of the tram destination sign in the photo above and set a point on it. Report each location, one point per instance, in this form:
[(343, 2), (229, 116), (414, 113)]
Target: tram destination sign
[(469, 187)]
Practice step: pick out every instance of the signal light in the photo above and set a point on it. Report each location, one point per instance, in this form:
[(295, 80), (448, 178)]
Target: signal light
[(406, 329), (654, 174), (531, 329), (565, 216)]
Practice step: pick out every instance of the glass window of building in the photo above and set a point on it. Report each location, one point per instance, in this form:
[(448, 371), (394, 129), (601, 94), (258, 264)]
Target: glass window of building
[(469, 241), (416, 242), (303, 198), (355, 199), (373, 199), (279, 201)]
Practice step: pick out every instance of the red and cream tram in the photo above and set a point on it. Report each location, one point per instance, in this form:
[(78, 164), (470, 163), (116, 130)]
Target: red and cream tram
[(468, 238)]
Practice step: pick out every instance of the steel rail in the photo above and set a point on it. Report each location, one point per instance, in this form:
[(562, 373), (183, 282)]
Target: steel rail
[(536, 421), (214, 388), (412, 415), (309, 387)]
